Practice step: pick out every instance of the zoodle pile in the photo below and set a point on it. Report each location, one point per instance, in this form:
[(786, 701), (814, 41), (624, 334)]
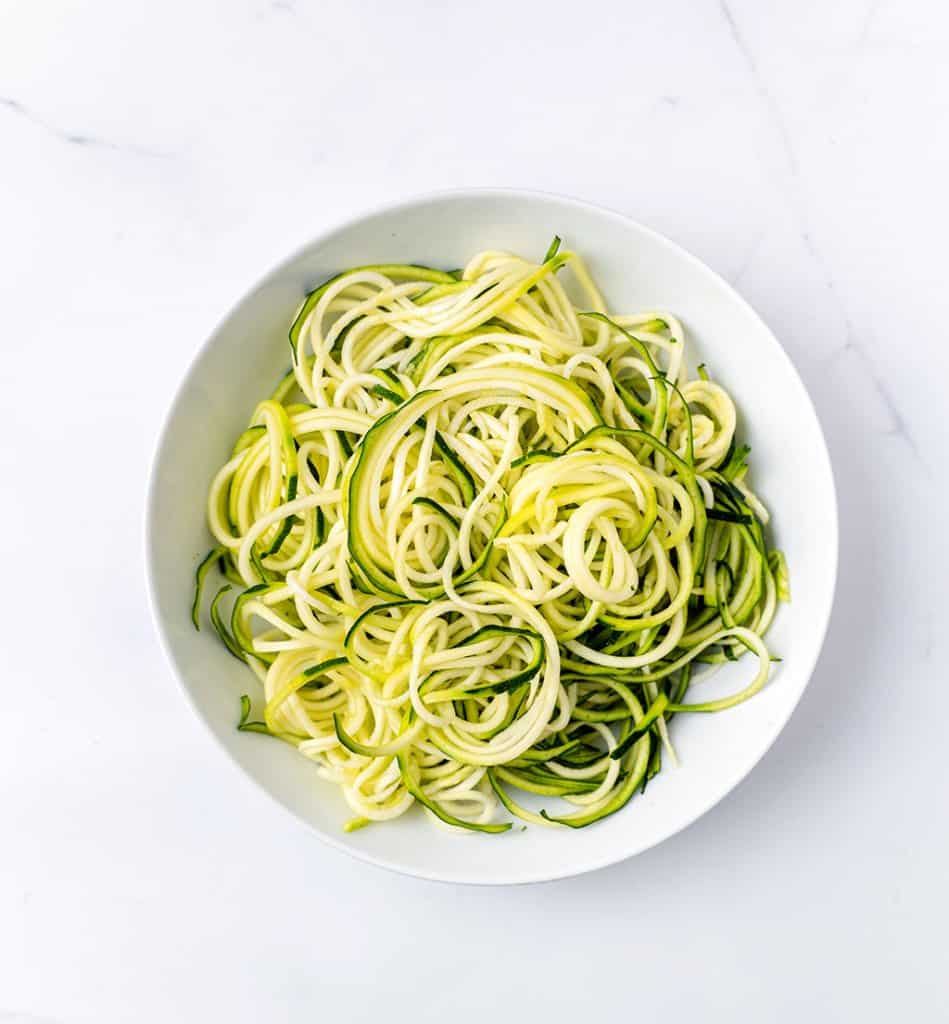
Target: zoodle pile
[(479, 538)]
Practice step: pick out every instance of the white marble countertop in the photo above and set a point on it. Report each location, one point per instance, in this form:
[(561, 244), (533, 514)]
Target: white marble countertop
[(156, 158)]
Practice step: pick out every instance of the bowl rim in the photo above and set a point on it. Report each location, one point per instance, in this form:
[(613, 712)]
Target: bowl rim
[(767, 737)]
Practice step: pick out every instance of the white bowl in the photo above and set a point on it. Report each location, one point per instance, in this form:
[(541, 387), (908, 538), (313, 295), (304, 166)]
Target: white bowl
[(637, 269)]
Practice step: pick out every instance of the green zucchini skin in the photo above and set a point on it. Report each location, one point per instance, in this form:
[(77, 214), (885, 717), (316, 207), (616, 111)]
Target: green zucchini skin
[(204, 567)]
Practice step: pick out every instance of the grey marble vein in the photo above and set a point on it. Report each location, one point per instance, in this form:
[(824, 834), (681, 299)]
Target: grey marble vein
[(74, 138), (898, 425), (748, 258), (761, 87), (899, 428), (868, 17)]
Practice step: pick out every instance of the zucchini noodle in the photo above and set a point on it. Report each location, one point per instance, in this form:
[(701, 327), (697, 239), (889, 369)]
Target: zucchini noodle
[(479, 539)]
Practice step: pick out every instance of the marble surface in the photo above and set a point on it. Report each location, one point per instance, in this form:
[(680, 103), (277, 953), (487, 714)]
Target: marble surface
[(156, 158)]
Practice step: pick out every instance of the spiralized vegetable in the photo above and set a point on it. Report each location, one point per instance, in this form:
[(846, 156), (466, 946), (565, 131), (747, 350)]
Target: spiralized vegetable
[(481, 536)]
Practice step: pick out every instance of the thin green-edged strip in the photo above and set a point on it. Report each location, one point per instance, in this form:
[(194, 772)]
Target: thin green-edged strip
[(412, 785)]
